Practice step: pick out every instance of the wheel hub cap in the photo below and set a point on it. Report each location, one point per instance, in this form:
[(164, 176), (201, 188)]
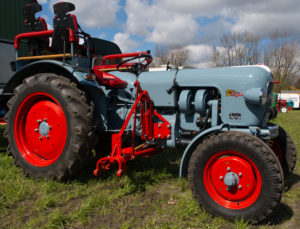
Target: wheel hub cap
[(231, 179), (44, 128)]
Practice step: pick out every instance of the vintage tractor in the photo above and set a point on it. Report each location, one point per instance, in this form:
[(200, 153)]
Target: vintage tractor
[(72, 97), (282, 105)]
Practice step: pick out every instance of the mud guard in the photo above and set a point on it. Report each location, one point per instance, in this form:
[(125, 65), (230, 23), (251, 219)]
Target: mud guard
[(94, 92), (193, 144), (47, 66)]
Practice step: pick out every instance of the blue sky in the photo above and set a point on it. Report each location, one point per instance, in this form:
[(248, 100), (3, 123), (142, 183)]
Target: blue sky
[(194, 24)]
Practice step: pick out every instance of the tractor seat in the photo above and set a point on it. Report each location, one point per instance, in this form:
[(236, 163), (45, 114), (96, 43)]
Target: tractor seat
[(109, 80), (62, 22), (33, 24)]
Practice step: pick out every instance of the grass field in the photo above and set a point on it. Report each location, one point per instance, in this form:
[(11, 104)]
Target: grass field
[(150, 195)]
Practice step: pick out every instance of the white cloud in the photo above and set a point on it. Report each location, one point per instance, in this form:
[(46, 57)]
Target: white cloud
[(49, 27), (167, 21), (199, 55), (265, 24), (102, 36), (94, 13), (185, 22), (125, 42), (42, 1), (158, 24), (180, 30)]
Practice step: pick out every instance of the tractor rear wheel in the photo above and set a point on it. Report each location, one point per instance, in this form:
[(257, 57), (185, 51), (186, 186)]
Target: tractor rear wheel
[(273, 113), (50, 127), (236, 175), (285, 149)]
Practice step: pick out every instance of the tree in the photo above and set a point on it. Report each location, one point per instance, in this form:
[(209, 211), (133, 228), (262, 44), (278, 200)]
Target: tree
[(280, 56), (279, 52), (174, 54), (297, 84), (236, 49)]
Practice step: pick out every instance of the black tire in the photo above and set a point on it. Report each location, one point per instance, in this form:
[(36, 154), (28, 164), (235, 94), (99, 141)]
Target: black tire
[(75, 119), (273, 113), (216, 197), (285, 149)]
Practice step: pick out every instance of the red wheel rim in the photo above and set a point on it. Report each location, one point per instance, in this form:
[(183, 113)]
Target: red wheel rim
[(247, 179), (40, 129)]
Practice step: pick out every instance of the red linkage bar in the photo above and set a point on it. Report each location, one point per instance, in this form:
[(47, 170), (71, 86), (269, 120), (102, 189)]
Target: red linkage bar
[(150, 130)]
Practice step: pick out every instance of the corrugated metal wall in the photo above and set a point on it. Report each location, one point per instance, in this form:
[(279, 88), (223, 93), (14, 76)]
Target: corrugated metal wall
[(11, 18)]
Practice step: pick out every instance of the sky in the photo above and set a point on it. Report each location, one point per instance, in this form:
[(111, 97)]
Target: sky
[(139, 25)]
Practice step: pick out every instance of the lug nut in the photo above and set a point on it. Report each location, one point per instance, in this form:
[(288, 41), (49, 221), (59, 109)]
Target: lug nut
[(228, 169), (221, 177), (41, 138), (169, 126), (159, 126), (36, 130), (240, 187), (240, 174), (168, 137), (159, 136), (38, 121), (227, 189), (45, 119), (47, 136)]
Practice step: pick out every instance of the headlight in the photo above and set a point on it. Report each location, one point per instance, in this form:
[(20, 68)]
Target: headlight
[(256, 96)]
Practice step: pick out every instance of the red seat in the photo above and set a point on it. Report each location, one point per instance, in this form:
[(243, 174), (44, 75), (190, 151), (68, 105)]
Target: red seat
[(63, 23), (33, 24)]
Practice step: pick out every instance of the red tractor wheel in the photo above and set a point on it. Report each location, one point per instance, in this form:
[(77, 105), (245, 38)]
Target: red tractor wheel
[(50, 127), (236, 175)]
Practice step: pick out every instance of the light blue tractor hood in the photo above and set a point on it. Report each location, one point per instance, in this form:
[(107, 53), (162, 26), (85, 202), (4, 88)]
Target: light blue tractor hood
[(236, 86)]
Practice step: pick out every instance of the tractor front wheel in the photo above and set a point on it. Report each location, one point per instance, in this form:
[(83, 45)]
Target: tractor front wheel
[(49, 127), (236, 175)]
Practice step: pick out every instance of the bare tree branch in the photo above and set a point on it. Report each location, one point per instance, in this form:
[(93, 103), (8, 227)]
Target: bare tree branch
[(236, 49), (280, 55), (174, 54)]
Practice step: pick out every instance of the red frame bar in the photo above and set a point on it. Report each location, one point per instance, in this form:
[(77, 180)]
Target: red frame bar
[(21, 36), (46, 33), (124, 55)]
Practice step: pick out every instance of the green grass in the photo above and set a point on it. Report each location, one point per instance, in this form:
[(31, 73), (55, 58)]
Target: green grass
[(150, 195)]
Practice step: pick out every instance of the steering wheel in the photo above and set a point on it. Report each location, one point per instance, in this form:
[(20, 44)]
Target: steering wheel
[(137, 67)]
